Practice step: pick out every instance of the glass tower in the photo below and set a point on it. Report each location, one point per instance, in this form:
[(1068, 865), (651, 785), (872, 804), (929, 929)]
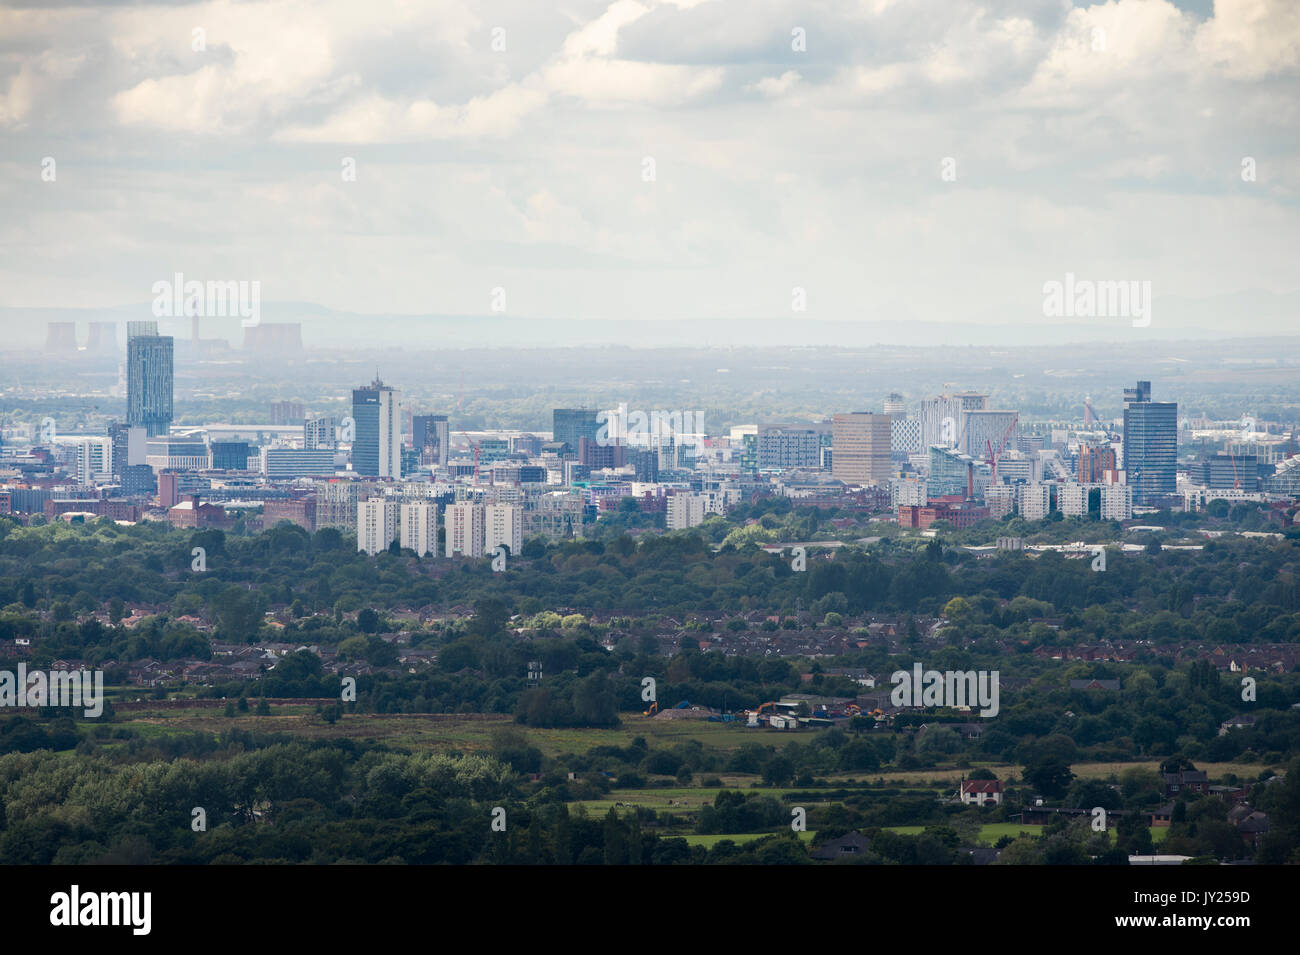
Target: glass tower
[(149, 359), (1150, 444)]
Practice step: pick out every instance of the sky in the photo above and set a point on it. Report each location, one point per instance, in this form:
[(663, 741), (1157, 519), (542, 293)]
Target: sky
[(922, 161)]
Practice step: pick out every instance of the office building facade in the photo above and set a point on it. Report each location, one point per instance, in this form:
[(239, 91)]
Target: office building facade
[(431, 436), (1150, 444), (861, 449), (570, 424), (377, 450)]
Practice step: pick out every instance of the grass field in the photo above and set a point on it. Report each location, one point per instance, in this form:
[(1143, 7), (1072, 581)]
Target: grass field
[(996, 830), (473, 733), (738, 838), (442, 732)]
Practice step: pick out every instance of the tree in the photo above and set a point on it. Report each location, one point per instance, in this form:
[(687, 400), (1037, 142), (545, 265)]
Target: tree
[(1050, 776), (594, 701), (368, 621), (1132, 834), (778, 770), (490, 617), (239, 613), (263, 707)]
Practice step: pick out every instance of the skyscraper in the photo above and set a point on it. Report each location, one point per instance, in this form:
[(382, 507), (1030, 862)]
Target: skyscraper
[(430, 435), (148, 378), (861, 443), (570, 424), (1150, 444), (377, 450)]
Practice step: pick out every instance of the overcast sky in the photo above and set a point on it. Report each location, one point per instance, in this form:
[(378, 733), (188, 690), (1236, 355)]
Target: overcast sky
[(1103, 140)]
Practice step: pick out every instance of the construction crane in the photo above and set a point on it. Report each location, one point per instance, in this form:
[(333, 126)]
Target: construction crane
[(994, 455)]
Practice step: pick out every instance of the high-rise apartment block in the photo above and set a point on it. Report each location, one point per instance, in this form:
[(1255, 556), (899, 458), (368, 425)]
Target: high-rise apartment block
[(287, 413), (942, 416), (319, 434), (377, 521), (149, 378), (503, 524), (419, 528), (1034, 500), (983, 430), (786, 448), (1094, 462), (463, 525)]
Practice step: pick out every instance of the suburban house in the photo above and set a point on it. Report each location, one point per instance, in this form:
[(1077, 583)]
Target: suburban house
[(1236, 723), (977, 792), (845, 847), (1189, 780), (1094, 684)]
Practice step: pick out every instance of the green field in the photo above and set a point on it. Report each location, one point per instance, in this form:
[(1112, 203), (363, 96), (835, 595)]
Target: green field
[(994, 831), (739, 839)]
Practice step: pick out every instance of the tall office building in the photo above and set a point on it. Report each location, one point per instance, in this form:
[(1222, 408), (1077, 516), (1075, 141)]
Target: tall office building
[(942, 416), (431, 436), (861, 446), (570, 424), (377, 450), (376, 524), (149, 370), (419, 528), (894, 404), (503, 524), (463, 524), (1150, 444)]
